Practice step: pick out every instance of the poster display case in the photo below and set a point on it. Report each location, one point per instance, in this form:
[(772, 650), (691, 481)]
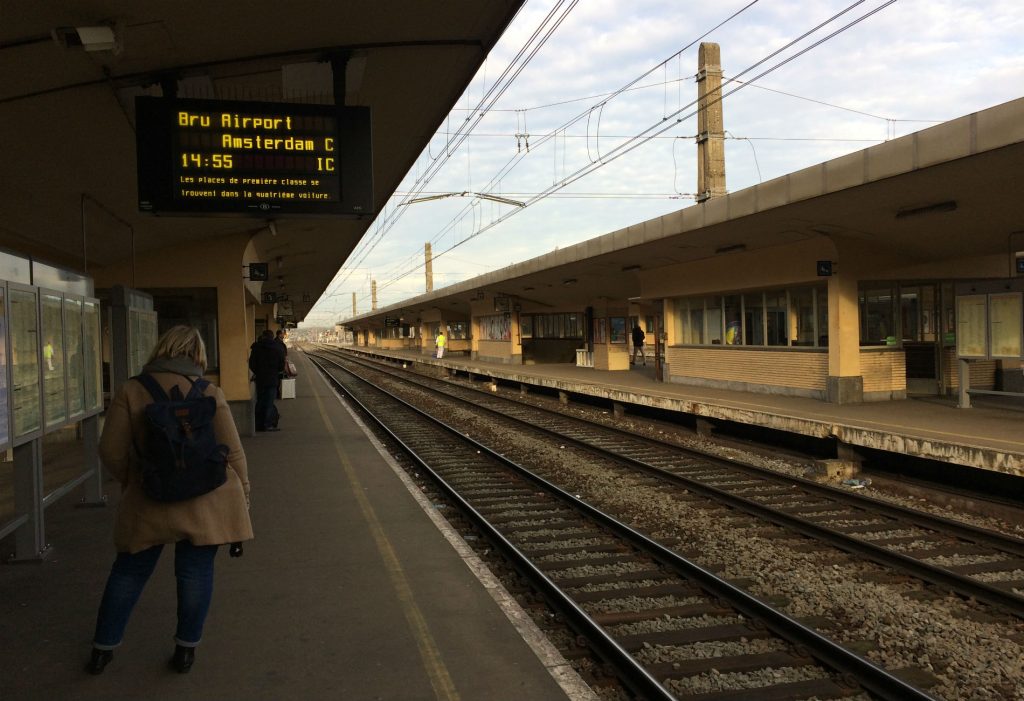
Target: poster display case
[(26, 393), (5, 395), (55, 399), (75, 359), (142, 338), (972, 322), (92, 365), (1005, 325)]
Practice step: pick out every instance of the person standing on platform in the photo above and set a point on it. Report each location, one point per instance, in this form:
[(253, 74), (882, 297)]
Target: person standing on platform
[(439, 342), (279, 342), (196, 526), (266, 361), (638, 344)]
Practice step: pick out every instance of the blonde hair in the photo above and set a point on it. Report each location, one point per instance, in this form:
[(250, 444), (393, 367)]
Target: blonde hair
[(181, 341)]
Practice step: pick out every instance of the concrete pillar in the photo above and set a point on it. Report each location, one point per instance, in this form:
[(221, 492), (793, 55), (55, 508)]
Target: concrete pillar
[(618, 410), (964, 376), (428, 258), (704, 427), (563, 397), (845, 382), (710, 123), (373, 295), (523, 389)]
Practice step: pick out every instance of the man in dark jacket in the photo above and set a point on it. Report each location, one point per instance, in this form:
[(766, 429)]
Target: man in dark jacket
[(266, 361)]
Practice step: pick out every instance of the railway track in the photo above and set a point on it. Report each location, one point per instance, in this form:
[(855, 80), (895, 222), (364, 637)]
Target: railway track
[(973, 562), (610, 582)]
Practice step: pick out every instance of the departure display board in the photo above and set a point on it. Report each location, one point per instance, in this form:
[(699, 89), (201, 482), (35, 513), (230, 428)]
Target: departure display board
[(252, 158)]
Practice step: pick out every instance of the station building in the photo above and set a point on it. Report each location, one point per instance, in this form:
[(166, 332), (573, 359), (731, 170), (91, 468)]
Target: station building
[(893, 271)]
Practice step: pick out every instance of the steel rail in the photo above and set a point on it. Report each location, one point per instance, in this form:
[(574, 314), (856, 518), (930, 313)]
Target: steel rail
[(634, 676), (873, 678), (940, 576)]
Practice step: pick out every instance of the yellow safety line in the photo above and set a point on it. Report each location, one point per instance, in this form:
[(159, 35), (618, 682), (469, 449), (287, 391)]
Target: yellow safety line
[(433, 664)]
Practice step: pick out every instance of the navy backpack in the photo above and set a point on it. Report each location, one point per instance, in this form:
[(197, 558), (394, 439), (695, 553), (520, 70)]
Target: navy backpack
[(181, 458)]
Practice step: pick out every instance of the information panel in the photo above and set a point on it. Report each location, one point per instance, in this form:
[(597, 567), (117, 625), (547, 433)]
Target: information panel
[(75, 363), (55, 399), (5, 414), (25, 374), (255, 158)]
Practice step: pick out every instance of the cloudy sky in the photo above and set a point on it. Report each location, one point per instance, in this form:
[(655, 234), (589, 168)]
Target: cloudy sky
[(606, 157)]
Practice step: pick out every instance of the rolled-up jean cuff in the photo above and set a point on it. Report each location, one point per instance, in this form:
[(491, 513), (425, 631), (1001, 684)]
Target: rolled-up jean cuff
[(98, 646), (183, 643)]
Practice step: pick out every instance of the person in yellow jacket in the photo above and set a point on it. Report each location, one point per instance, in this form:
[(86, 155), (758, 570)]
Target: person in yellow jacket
[(439, 343)]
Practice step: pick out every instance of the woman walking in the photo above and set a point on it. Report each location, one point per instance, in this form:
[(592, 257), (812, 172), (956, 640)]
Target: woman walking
[(196, 526)]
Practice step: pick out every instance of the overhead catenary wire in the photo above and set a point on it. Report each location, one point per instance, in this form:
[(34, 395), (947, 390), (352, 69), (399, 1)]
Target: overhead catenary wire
[(512, 162), (644, 136), (659, 127), (386, 220)]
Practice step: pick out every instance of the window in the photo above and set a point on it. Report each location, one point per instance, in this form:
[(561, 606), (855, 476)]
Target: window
[(497, 327), (190, 306), (458, 331), (693, 322), (713, 320), (821, 301), (617, 327), (877, 317), (801, 309), (733, 330), (775, 319), (790, 317), (753, 319), (526, 326)]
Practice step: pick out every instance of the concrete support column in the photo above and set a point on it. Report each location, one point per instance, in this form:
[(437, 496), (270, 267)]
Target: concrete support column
[(964, 376), (710, 123), (563, 397), (704, 427), (523, 389), (618, 410), (845, 382)]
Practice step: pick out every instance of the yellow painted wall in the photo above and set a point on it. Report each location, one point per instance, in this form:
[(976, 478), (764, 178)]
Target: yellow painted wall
[(884, 370), (611, 357), (495, 349), (789, 369), (214, 262)]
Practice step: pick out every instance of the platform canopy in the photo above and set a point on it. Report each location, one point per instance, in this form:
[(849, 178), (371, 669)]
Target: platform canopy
[(70, 73)]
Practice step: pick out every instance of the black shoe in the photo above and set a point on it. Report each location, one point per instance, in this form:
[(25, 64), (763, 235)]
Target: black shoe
[(183, 658), (98, 661)]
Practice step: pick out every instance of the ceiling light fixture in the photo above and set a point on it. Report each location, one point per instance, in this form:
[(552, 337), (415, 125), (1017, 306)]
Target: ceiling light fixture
[(97, 38), (947, 206), (731, 248), (568, 282), (630, 268)]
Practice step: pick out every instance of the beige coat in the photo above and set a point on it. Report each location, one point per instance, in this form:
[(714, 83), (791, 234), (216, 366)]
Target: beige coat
[(217, 517)]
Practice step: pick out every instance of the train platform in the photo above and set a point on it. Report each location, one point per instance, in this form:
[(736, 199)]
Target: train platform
[(988, 436), (351, 590)]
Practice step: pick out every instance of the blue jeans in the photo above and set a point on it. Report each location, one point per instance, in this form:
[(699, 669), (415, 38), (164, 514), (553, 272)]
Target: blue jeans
[(193, 568), (266, 412)]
